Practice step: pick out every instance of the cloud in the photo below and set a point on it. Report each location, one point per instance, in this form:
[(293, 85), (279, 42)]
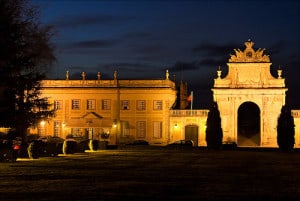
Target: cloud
[(88, 20), (180, 66), (277, 48), (99, 43), (211, 49), (136, 35), (213, 61), (149, 49), (129, 67)]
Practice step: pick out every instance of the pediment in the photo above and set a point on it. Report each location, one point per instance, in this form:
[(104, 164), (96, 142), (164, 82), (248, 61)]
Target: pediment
[(92, 115)]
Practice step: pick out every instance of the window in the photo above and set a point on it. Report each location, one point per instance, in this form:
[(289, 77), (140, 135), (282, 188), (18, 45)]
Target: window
[(141, 129), (56, 128), (76, 132), (105, 104), (91, 104), (124, 128), (157, 105), (157, 129), (125, 104), (141, 105), (75, 104), (58, 104)]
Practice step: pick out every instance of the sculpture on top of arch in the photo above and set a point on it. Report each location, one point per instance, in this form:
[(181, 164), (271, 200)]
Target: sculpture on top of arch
[(249, 54)]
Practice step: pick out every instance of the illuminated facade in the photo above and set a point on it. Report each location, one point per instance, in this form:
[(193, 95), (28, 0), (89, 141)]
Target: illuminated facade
[(250, 99), (120, 111)]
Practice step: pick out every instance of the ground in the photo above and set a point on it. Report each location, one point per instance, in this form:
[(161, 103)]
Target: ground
[(154, 174)]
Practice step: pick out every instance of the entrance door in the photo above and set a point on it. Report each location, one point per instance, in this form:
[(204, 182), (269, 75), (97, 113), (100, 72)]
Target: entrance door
[(90, 133), (248, 124), (191, 133)]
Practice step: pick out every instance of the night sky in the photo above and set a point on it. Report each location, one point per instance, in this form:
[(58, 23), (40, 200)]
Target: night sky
[(141, 39)]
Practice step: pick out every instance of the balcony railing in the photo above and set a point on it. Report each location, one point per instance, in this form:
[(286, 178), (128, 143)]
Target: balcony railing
[(109, 83), (188, 113)]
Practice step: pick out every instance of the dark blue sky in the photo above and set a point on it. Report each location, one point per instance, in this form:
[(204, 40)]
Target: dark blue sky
[(141, 39)]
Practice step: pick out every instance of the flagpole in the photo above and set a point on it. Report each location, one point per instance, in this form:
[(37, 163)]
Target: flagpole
[(192, 96)]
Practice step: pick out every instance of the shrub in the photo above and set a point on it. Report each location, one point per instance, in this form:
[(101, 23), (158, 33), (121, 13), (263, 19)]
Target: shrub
[(285, 129), (214, 133)]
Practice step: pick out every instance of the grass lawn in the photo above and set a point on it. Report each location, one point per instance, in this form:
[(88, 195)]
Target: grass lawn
[(154, 174)]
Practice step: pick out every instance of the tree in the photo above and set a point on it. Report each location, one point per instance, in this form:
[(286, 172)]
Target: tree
[(214, 133), (25, 55), (285, 129)]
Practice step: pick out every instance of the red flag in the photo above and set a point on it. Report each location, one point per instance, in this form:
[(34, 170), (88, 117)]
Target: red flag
[(190, 98)]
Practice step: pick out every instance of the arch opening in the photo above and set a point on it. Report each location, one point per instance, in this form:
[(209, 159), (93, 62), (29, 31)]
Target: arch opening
[(248, 125)]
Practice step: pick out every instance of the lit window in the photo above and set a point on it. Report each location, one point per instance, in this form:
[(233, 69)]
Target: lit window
[(91, 104), (105, 104), (157, 105), (58, 104), (75, 104), (141, 105), (141, 129), (125, 104), (124, 128), (56, 128), (76, 132), (157, 129)]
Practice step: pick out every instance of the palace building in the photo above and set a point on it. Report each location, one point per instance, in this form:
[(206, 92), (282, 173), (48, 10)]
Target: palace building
[(120, 111)]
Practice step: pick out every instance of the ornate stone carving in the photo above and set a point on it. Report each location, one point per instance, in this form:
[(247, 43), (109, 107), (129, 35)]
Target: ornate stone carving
[(249, 54)]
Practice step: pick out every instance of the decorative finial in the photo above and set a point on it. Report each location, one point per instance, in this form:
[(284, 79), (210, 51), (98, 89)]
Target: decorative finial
[(98, 75), (83, 75), (279, 72), (67, 75), (167, 74), (219, 72)]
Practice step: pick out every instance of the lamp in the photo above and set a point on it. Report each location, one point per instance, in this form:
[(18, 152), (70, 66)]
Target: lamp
[(42, 123), (175, 125)]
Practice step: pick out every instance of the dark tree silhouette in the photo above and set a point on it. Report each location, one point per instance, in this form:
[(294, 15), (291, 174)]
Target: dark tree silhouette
[(25, 55), (285, 129), (214, 133)]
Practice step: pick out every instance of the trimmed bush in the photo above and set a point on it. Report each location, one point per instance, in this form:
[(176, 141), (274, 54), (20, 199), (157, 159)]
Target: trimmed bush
[(33, 150), (69, 147), (93, 145)]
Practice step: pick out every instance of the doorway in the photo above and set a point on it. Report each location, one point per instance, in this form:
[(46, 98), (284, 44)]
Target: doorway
[(191, 133), (248, 125)]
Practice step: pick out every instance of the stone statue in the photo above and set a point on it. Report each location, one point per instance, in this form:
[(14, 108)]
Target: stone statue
[(83, 75), (67, 75), (115, 75)]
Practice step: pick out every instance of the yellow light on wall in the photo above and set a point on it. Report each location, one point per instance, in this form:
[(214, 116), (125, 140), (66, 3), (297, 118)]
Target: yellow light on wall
[(175, 125), (42, 123)]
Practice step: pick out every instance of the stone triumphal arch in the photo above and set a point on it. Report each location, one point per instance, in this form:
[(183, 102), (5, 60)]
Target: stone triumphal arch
[(249, 98)]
